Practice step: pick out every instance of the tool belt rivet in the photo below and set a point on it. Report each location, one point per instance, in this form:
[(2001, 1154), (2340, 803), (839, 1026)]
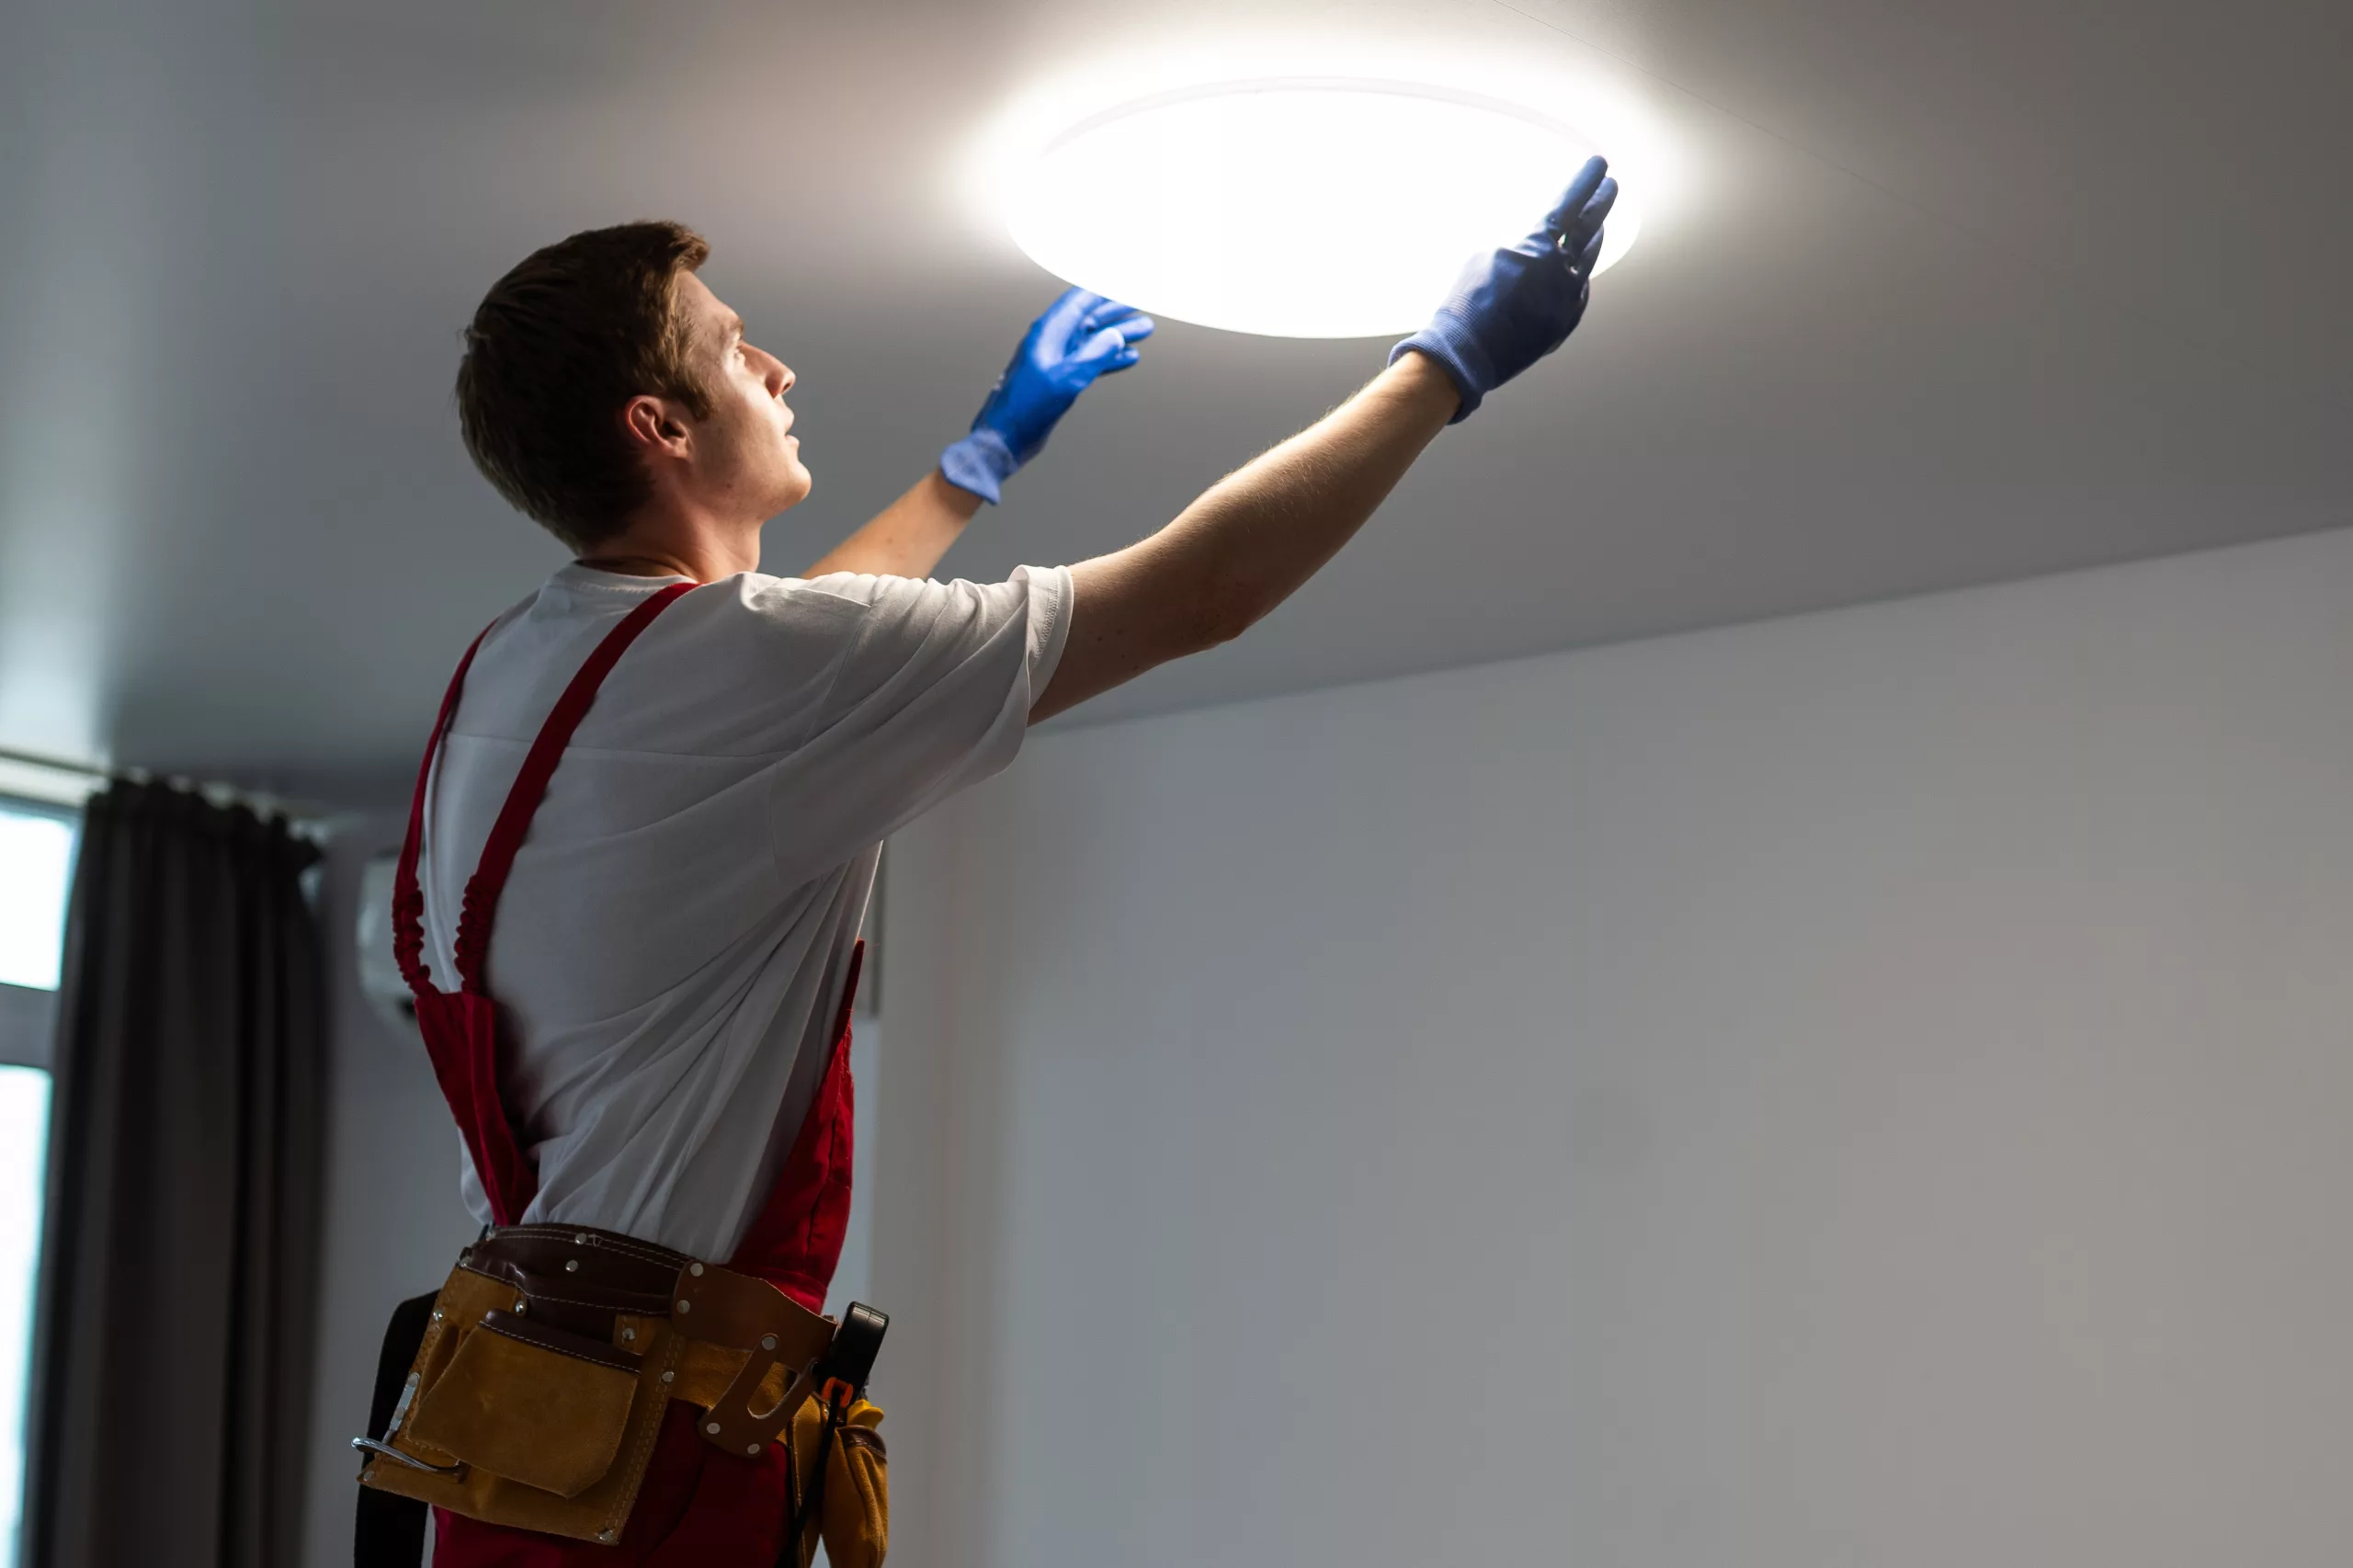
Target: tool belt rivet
[(685, 1305), (609, 1534), (753, 1450), (713, 1429), (572, 1266), (669, 1377), (695, 1269), (768, 1342)]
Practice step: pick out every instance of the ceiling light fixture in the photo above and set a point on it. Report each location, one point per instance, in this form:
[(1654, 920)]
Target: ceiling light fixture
[(1294, 207)]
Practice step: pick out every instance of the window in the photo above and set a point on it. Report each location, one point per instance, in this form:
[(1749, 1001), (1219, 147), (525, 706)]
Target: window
[(36, 856), (36, 869)]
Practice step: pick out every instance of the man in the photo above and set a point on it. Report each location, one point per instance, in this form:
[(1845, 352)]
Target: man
[(674, 940)]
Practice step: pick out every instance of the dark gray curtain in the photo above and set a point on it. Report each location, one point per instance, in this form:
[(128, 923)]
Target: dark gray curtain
[(172, 1348)]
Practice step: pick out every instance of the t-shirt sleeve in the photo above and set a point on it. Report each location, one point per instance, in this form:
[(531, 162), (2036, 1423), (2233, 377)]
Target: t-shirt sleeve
[(932, 696)]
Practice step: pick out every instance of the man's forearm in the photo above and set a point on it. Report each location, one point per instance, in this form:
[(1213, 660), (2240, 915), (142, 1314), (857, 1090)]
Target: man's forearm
[(1250, 541), (1259, 533), (908, 537)]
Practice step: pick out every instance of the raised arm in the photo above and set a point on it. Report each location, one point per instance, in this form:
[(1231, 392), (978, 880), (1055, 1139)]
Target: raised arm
[(1250, 541), (1253, 537), (1081, 338), (907, 538)]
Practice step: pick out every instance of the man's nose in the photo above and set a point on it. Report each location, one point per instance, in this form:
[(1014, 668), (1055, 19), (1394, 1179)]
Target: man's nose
[(780, 378)]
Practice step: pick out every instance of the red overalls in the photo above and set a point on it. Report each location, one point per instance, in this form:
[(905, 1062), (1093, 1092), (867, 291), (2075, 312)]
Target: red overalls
[(698, 1506)]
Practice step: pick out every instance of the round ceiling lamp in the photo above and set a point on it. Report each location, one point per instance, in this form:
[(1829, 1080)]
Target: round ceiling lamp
[(1294, 207)]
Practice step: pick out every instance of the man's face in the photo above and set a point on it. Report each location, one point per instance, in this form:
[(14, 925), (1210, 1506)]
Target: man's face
[(746, 460)]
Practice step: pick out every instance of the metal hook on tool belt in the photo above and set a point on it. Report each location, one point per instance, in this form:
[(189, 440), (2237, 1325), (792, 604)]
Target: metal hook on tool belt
[(384, 1446), (740, 1312)]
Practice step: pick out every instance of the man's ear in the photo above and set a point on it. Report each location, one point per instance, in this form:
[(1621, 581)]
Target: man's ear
[(654, 425)]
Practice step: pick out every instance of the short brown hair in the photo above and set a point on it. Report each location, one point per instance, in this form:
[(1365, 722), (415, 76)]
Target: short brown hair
[(558, 346)]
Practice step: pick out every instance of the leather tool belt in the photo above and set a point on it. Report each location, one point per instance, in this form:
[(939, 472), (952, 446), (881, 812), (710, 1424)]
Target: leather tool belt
[(551, 1359)]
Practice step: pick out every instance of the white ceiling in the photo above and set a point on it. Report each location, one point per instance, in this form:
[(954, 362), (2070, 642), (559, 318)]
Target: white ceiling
[(1944, 294)]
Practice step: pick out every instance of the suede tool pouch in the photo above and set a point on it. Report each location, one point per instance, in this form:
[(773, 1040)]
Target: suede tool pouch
[(857, 1492), (516, 1422), (531, 1403), (848, 1506)]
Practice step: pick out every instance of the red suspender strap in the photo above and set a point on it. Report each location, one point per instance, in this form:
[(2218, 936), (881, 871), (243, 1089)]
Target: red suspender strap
[(460, 1027), (795, 1240), (489, 881), (408, 899)]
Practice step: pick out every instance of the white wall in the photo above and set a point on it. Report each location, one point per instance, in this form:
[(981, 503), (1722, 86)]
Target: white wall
[(1868, 1089)]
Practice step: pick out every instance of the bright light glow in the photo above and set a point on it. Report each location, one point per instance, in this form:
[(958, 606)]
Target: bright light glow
[(1294, 208), (35, 854)]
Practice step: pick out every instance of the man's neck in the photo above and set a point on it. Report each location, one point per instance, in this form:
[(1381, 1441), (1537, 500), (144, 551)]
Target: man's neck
[(672, 546)]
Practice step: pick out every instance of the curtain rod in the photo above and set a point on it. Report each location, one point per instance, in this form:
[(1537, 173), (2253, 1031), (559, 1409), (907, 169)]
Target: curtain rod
[(302, 814), (54, 764)]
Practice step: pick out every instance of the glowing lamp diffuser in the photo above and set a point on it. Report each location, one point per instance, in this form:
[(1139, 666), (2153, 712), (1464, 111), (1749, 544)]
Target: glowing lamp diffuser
[(1294, 208)]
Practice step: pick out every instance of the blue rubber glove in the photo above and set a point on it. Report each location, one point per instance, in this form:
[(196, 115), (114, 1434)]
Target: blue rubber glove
[(1512, 307), (1082, 335)]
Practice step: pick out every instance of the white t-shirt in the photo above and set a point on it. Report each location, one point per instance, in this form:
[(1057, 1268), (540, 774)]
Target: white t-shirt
[(671, 948)]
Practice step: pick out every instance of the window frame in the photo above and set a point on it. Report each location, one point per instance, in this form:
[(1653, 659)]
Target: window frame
[(29, 1015)]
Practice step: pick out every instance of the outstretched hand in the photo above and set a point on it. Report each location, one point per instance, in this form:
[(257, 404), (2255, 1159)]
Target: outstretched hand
[(1082, 336), (1511, 307)]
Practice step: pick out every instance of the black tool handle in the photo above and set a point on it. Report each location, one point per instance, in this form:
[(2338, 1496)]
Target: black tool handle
[(850, 1358)]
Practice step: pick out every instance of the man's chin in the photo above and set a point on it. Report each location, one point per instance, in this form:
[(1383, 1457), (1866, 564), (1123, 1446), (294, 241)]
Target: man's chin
[(795, 490)]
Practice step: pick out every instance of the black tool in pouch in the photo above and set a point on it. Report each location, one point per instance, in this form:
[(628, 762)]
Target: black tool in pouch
[(841, 1378)]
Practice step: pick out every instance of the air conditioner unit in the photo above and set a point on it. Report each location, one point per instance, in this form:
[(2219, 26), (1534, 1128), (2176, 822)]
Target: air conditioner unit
[(381, 984)]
